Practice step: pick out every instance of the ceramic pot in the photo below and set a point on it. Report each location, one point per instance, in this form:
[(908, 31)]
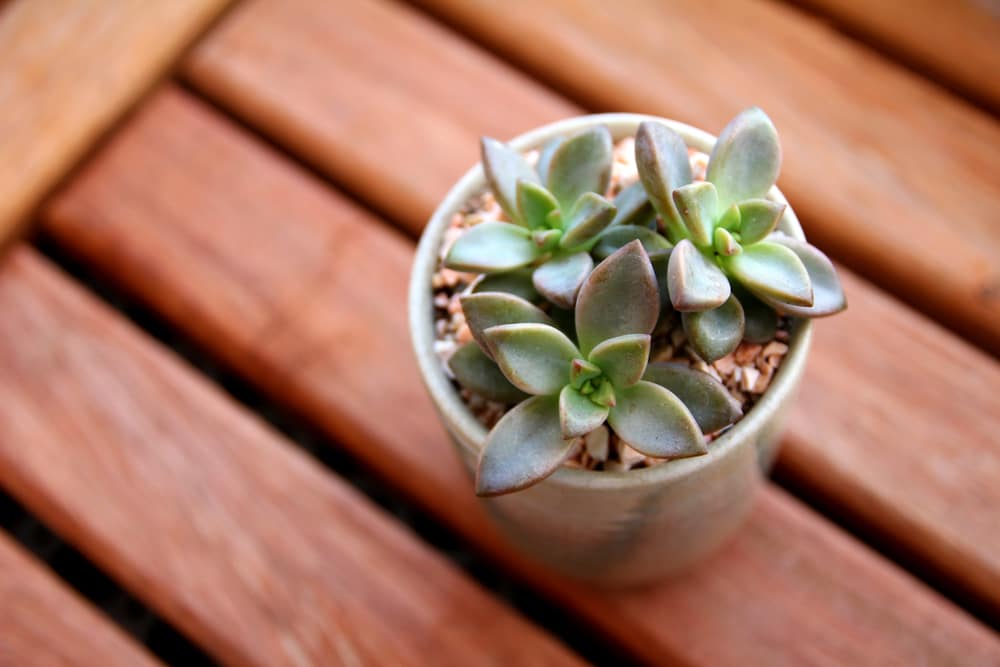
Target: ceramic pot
[(614, 528)]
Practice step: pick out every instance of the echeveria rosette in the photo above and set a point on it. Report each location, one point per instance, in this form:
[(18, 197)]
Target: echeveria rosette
[(557, 214), (729, 270), (577, 386)]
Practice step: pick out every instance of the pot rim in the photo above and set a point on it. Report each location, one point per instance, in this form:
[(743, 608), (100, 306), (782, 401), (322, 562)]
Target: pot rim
[(447, 400)]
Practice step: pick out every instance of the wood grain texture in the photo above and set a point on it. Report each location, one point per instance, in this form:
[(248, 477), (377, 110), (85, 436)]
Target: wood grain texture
[(888, 171), (45, 624), (70, 70), (954, 41), (236, 537), (296, 288), (354, 86)]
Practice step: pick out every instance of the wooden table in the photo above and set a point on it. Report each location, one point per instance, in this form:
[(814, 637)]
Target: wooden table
[(206, 388)]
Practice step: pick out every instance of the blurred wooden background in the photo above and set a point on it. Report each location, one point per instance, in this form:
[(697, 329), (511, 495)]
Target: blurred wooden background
[(214, 444)]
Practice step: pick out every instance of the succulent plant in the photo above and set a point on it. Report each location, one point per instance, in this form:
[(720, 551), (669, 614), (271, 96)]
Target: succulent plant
[(567, 344), (573, 387), (558, 213), (729, 272)]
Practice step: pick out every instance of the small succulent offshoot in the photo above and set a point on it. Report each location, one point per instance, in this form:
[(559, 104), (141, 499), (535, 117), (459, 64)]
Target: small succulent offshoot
[(574, 387), (730, 272), (558, 214), (568, 344)]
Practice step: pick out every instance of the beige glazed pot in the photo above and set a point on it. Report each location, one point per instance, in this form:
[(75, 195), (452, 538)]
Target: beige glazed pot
[(614, 528)]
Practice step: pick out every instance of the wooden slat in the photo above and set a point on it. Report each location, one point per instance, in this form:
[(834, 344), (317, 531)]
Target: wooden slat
[(236, 537), (930, 409), (43, 623), (304, 293), (891, 174), (954, 41), (69, 71)]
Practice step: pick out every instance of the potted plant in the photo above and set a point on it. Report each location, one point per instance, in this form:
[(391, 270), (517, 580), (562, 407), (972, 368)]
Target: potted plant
[(611, 315)]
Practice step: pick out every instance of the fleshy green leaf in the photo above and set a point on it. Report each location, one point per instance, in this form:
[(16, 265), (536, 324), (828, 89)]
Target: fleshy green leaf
[(633, 206), (483, 310), (695, 281), (772, 272), (619, 297), (758, 218), (708, 400), (525, 447), (492, 246), (547, 240), (516, 282), (725, 244), (581, 370), (581, 164), (746, 159), (560, 278), (534, 203), (590, 215), (662, 159), (504, 167), (578, 415), (715, 333), (761, 322), (730, 218), (654, 421), (617, 236), (545, 157), (828, 294), (698, 204), (477, 372), (661, 261), (536, 358), (622, 359)]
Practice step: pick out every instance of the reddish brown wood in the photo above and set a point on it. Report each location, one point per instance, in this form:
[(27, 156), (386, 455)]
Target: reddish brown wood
[(69, 72), (891, 174), (954, 41), (44, 623), (303, 292), (366, 84), (236, 537)]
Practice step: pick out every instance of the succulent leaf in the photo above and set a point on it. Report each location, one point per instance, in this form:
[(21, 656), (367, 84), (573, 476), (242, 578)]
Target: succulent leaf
[(758, 218), (622, 359), (715, 333), (725, 244), (535, 358), (560, 278), (581, 163), (581, 370), (730, 218), (708, 400), (590, 215), (698, 204), (633, 207), (695, 281), (545, 157), (772, 272), (524, 447), (534, 203), (661, 261), (654, 421), (504, 167), (477, 372), (546, 240), (492, 246), (662, 158), (516, 282), (746, 159), (617, 236), (761, 322), (578, 415), (620, 296), (484, 310), (828, 294)]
